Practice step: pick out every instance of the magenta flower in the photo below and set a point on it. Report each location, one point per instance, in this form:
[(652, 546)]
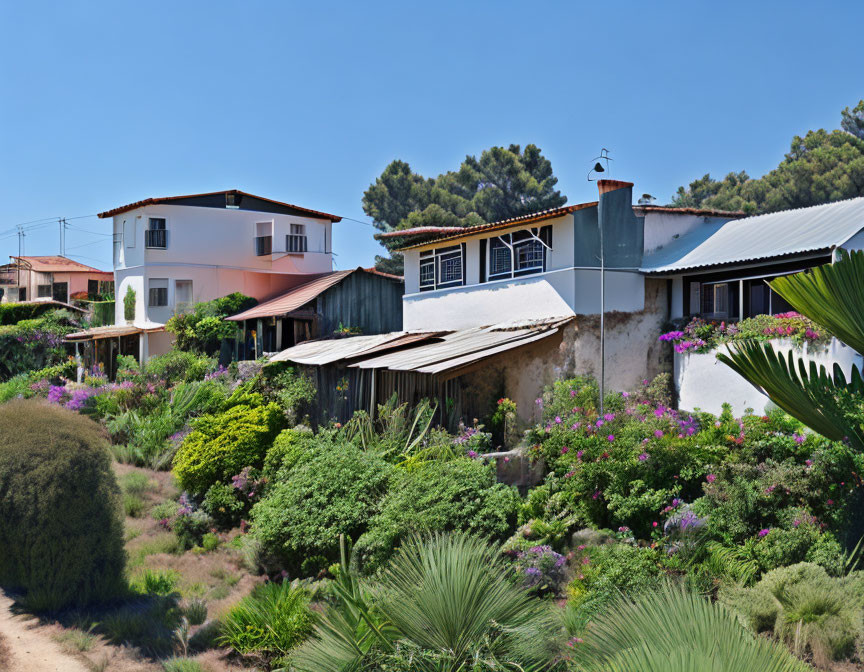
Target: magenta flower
[(764, 531), (625, 394), (557, 419), (579, 454), (611, 437), (658, 433), (799, 438), (711, 478), (564, 450), (643, 457), (609, 417)]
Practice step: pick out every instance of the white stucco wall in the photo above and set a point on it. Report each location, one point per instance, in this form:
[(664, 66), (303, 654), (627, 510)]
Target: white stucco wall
[(705, 383)]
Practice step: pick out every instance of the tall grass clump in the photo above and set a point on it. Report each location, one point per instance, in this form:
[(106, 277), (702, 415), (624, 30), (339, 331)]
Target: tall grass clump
[(270, 622), (60, 507)]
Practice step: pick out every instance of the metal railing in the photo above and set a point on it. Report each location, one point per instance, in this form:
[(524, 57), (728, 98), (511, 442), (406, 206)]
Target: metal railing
[(295, 243), (156, 238)]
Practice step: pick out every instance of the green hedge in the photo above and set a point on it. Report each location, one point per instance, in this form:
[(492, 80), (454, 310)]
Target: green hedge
[(13, 313)]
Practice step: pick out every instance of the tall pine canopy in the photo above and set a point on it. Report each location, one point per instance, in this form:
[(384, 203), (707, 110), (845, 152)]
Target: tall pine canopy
[(502, 183), (821, 167)]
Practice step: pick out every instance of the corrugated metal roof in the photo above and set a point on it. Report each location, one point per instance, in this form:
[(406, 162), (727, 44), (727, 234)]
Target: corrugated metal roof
[(457, 349), (777, 234), (110, 331), (329, 350)]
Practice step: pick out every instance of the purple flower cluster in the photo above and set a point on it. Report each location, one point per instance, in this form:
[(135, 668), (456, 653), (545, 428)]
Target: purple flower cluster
[(542, 568), (221, 372)]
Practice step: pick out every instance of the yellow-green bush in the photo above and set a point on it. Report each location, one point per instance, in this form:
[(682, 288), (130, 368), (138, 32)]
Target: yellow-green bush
[(61, 526), (220, 446)]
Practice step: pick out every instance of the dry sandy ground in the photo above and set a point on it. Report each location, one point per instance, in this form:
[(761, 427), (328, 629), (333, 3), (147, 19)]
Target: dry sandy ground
[(27, 647)]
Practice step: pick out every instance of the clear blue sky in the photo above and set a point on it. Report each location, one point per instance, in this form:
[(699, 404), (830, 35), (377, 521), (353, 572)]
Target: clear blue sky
[(105, 103)]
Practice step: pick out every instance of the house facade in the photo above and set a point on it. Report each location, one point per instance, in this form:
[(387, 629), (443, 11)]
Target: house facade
[(174, 252), (54, 278)]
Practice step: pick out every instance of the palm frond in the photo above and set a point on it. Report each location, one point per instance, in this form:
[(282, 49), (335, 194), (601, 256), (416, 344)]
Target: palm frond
[(831, 295), (805, 392), (675, 630)]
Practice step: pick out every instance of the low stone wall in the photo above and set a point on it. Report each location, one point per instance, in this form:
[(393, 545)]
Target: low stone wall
[(703, 382)]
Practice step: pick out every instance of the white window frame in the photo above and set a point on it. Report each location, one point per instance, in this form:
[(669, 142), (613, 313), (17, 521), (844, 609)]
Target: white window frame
[(437, 258), (177, 302), (514, 247), (297, 232)]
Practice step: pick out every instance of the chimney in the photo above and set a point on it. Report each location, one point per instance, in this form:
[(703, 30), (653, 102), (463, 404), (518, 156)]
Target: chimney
[(623, 235)]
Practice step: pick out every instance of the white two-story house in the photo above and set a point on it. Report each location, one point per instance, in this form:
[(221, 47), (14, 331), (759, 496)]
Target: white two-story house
[(176, 251)]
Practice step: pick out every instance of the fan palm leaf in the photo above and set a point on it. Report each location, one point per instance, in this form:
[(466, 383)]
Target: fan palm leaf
[(831, 295), (675, 630), (805, 392)]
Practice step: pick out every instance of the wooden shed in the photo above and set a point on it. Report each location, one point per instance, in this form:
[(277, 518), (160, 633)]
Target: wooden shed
[(361, 301)]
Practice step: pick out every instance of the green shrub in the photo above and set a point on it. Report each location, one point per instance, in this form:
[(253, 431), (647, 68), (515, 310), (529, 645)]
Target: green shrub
[(604, 572), (271, 621), (289, 449), (129, 304), (220, 446), (223, 504), (133, 505), (62, 531), (203, 329), (438, 497), (16, 387), (295, 391), (177, 365), (147, 623), (335, 491), (210, 542)]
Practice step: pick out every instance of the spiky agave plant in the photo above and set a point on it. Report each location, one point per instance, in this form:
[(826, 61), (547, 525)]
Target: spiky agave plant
[(675, 630), (832, 296)]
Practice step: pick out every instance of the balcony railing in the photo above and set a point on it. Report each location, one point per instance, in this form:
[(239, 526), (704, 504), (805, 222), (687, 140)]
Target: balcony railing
[(156, 238), (295, 243), (263, 245)]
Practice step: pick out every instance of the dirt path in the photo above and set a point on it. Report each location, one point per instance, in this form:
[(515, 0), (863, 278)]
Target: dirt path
[(27, 647)]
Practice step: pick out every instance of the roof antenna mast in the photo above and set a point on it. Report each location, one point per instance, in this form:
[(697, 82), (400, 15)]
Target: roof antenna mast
[(599, 168)]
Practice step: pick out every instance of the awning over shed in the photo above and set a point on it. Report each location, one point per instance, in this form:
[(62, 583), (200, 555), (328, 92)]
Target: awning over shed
[(429, 352), (112, 331)]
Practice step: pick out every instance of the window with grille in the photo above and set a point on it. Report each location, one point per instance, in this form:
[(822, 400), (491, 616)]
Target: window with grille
[(158, 292), (442, 268), (500, 258), (449, 268), (43, 290), (519, 253), (156, 236), (427, 270), (296, 240)]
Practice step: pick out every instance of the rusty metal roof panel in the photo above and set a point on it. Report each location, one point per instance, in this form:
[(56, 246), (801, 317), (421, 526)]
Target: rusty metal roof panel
[(292, 299)]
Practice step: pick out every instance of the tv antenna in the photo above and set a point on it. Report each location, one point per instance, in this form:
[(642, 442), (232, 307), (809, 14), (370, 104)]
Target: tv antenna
[(598, 166)]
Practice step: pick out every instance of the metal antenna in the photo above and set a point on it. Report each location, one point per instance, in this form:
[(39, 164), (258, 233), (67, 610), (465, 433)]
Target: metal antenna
[(599, 168)]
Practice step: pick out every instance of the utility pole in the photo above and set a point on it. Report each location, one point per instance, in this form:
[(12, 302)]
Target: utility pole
[(62, 223), (20, 254)]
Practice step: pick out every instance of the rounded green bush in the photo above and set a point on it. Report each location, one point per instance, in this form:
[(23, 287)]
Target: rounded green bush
[(334, 491), (461, 494), (60, 507), (220, 446)]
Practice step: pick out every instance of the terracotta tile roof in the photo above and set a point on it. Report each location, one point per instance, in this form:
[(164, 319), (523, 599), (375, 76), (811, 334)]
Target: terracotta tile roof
[(299, 296), (464, 231), (375, 271), (58, 264), (167, 199)]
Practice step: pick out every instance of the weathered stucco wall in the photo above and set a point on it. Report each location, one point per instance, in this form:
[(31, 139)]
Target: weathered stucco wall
[(632, 354)]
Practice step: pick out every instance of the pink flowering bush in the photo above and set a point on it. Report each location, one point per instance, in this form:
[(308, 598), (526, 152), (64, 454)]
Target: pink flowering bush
[(700, 335)]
